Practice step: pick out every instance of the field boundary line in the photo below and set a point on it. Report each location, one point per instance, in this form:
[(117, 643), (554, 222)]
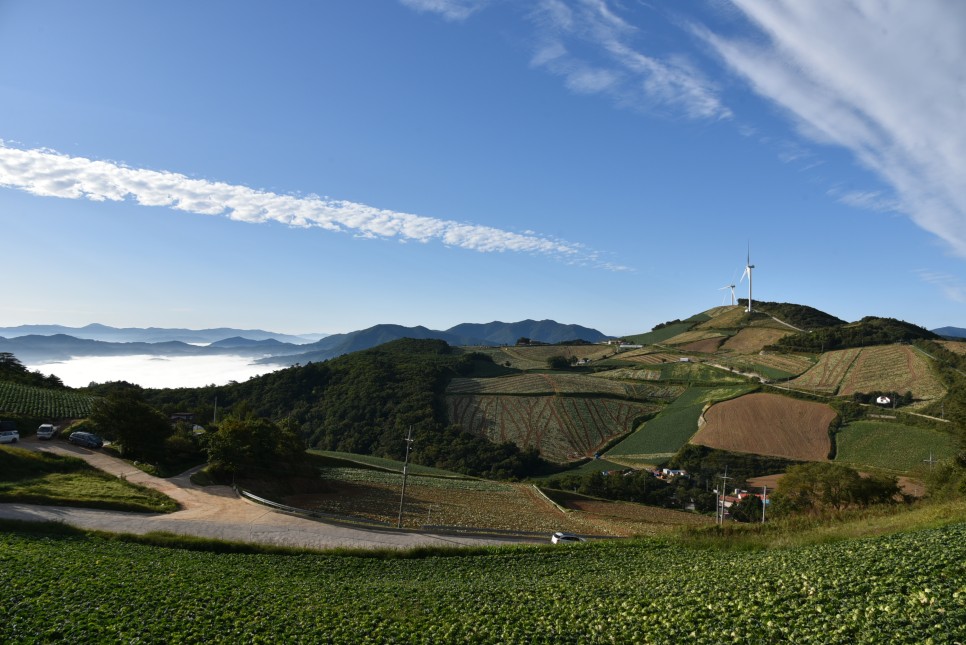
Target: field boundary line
[(543, 495)]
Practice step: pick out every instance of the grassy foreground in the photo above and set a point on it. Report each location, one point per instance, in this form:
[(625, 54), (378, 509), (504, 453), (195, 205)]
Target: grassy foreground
[(46, 478), (902, 588)]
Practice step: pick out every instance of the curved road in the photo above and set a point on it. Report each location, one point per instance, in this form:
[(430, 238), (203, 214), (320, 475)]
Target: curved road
[(218, 512)]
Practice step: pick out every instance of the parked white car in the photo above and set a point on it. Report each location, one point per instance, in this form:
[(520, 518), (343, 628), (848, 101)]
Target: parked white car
[(563, 538), (9, 436), (46, 431)]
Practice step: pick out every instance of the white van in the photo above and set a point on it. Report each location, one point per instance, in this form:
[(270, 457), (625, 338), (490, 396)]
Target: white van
[(46, 431)]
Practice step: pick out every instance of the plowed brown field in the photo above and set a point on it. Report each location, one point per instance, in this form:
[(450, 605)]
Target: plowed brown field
[(768, 424), (707, 346)]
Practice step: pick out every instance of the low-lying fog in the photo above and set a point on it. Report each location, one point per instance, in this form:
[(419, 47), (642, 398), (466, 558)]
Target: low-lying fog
[(154, 371)]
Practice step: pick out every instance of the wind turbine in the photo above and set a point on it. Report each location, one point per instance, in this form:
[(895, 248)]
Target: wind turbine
[(732, 287), (748, 267)]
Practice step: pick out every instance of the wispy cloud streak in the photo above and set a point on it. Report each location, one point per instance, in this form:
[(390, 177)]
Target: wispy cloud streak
[(50, 174), (610, 62), (449, 9), (881, 78)]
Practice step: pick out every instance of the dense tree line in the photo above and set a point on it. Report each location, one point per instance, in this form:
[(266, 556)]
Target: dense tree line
[(801, 316), (867, 332)]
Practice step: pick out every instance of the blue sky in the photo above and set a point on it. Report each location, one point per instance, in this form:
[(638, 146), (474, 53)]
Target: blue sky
[(328, 166)]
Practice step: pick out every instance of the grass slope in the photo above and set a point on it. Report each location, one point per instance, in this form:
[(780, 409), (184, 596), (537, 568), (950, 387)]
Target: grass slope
[(45, 478), (903, 588), (892, 446)]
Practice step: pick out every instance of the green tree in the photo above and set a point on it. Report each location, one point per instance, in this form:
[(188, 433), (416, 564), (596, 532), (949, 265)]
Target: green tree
[(248, 445), (139, 429), (558, 362), (818, 487)]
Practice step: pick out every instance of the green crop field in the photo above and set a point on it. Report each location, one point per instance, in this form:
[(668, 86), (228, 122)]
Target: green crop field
[(892, 446), (43, 402), (658, 439), (681, 372), (903, 588), (562, 428), (660, 335)]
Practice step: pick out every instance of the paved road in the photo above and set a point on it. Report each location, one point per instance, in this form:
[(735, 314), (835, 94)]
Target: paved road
[(217, 512)]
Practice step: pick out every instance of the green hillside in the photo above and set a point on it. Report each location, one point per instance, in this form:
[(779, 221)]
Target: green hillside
[(892, 446), (31, 401), (867, 332)]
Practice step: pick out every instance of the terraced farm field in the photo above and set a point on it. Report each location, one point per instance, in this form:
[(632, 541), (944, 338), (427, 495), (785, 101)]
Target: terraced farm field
[(553, 383), (957, 346), (534, 358), (43, 402), (900, 589), (768, 424), (826, 376), (649, 356), (706, 346), (893, 368), (562, 428), (694, 336), (892, 446), (657, 440), (753, 339), (886, 368), (771, 366)]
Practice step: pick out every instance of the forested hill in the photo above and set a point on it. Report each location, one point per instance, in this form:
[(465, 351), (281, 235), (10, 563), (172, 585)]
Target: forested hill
[(364, 403), (801, 316), (867, 332)]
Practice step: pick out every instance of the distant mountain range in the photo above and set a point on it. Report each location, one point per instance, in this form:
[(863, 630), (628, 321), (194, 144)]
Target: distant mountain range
[(153, 334), (30, 344), (951, 332)]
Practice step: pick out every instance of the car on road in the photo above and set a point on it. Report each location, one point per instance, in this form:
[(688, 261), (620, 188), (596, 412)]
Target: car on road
[(46, 431), (565, 538), (9, 436), (85, 439)]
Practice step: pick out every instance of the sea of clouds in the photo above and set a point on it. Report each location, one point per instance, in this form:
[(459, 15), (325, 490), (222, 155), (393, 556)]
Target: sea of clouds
[(154, 371)]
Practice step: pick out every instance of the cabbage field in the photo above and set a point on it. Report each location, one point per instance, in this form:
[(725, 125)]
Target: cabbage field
[(43, 402), (905, 588)]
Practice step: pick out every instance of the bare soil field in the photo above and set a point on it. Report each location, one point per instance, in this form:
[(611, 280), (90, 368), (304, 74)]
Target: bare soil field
[(654, 358), (510, 507), (768, 424), (727, 317), (752, 340)]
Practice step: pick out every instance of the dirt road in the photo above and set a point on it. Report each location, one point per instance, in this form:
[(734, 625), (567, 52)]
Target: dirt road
[(217, 512)]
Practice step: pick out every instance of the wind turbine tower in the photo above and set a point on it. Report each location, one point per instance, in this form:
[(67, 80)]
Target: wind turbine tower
[(748, 268), (732, 287)]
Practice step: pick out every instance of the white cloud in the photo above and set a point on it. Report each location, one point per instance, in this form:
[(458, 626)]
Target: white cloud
[(610, 64), (881, 78), (449, 9), (50, 174)]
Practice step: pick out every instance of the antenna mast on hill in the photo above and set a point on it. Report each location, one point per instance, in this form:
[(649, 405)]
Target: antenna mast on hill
[(748, 267)]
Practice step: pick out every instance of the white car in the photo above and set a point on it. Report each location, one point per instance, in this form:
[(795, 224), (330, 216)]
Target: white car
[(563, 538), (46, 431), (9, 436)]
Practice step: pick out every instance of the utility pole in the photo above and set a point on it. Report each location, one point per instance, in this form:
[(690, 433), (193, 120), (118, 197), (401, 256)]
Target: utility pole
[(930, 461), (402, 498), (721, 500)]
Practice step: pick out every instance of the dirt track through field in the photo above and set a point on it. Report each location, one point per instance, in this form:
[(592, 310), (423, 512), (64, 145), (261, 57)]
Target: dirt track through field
[(218, 512)]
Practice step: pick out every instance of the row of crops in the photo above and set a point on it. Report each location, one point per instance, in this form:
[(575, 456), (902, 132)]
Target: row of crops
[(561, 428), (365, 476), (567, 384), (906, 588), (42, 402)]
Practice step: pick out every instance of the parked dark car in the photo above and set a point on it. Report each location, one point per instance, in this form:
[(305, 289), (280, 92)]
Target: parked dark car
[(86, 439)]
